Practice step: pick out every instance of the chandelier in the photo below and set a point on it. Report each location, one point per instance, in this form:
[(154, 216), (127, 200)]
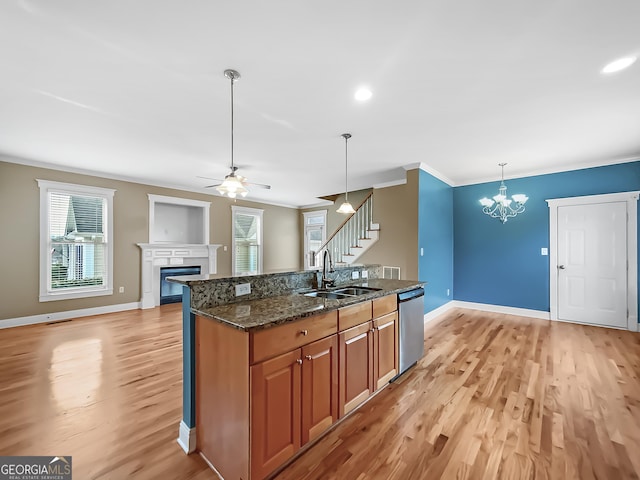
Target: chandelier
[(502, 207)]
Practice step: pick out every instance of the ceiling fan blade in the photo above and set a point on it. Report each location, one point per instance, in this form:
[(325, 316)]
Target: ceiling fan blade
[(211, 186), (259, 185), (209, 178)]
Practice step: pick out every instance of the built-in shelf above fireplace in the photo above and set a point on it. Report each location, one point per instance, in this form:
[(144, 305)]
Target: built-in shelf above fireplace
[(178, 236)]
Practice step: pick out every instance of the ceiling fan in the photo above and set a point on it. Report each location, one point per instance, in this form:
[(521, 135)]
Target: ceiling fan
[(240, 178), (233, 184)]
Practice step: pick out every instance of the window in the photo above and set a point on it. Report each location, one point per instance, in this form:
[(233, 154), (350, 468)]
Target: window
[(76, 241), (247, 240), (314, 236)]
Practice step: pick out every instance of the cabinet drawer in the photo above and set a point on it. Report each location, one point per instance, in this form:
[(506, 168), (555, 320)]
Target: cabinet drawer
[(354, 315), (286, 337), (384, 305)]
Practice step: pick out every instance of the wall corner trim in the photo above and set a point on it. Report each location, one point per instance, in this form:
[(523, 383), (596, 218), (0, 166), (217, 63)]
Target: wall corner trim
[(187, 438), (431, 171), (435, 313)]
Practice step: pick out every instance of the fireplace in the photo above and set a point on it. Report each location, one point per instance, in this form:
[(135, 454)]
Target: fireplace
[(158, 256), (172, 292)]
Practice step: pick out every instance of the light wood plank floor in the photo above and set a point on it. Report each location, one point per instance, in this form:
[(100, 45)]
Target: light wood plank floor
[(496, 396)]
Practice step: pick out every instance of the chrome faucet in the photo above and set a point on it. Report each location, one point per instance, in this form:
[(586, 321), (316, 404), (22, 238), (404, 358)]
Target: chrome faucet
[(326, 281)]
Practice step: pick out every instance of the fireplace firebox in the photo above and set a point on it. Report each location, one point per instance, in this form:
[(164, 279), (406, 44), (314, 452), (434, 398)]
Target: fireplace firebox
[(172, 292)]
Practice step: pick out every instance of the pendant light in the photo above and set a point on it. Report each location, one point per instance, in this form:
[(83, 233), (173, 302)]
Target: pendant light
[(346, 207), (232, 185)]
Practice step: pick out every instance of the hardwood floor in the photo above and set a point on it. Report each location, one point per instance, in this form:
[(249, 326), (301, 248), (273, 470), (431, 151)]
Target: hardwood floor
[(106, 390), (495, 397)]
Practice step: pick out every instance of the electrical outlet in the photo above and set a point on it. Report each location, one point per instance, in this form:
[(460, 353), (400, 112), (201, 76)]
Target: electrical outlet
[(121, 290), (224, 248), (243, 289), (365, 274), (355, 275), (421, 252), (544, 251)]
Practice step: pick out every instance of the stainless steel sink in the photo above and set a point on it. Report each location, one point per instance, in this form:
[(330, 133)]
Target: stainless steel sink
[(330, 295), (356, 290), (343, 292)]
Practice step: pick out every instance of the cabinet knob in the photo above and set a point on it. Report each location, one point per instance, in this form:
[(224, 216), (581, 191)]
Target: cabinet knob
[(309, 357), (299, 361), (304, 332)]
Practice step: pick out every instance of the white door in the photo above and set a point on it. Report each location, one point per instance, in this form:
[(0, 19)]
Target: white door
[(592, 263)]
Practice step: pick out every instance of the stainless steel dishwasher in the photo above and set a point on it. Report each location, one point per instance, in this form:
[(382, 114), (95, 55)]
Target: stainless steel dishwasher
[(411, 319)]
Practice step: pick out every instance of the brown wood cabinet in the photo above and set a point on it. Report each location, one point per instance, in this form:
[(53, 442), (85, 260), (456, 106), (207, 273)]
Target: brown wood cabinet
[(275, 412), (262, 395), (294, 399), (356, 366), (368, 351), (319, 387), (385, 346)]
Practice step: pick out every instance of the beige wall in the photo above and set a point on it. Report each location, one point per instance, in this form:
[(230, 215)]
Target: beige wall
[(334, 219), (19, 241), (396, 210)]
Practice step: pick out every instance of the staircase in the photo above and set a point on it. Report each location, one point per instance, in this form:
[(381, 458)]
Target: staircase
[(354, 237)]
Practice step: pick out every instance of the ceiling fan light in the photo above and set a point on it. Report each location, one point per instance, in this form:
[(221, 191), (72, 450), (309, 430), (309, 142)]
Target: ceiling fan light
[(346, 207), (232, 186)]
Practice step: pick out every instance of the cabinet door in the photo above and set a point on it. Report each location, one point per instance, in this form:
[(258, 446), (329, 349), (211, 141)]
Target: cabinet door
[(275, 412), (386, 348), (356, 366), (319, 387)]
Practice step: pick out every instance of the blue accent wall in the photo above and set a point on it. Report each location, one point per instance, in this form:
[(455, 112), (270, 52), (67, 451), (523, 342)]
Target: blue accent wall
[(435, 236), (501, 264)]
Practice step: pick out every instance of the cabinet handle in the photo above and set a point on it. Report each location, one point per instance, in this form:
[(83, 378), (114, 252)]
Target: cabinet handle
[(309, 357), (304, 332), (299, 361)]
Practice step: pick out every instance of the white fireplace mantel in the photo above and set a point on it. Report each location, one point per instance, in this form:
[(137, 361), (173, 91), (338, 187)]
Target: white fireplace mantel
[(158, 255)]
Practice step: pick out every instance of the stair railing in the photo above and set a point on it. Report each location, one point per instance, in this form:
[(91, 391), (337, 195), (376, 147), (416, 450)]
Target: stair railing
[(348, 235)]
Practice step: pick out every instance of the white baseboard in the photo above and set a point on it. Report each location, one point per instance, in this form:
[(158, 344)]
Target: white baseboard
[(187, 438), (522, 312), (58, 316), (438, 311)]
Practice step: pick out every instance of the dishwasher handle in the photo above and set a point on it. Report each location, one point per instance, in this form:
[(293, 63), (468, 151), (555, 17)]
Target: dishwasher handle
[(410, 295)]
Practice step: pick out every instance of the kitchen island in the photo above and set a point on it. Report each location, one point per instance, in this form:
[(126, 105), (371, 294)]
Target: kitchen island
[(273, 372)]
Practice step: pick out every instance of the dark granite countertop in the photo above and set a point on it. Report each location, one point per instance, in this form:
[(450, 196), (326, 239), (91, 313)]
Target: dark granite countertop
[(266, 312)]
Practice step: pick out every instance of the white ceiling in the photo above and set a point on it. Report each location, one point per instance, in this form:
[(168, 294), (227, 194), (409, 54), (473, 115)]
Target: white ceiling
[(136, 90)]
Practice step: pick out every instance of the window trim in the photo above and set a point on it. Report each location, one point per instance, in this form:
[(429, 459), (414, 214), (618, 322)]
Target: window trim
[(305, 229), (47, 186), (247, 211)]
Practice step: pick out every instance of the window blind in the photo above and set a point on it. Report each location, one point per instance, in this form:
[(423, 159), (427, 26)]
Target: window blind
[(247, 242), (77, 241)]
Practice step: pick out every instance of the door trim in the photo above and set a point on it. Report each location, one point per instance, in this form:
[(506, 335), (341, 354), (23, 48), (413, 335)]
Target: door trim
[(632, 248)]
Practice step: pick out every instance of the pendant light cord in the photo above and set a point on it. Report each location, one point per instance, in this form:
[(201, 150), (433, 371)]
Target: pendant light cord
[(346, 137), (232, 169), (346, 168)]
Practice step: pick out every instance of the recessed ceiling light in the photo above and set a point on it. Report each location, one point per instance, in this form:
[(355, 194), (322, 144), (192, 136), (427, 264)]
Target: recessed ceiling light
[(363, 94), (619, 64)]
